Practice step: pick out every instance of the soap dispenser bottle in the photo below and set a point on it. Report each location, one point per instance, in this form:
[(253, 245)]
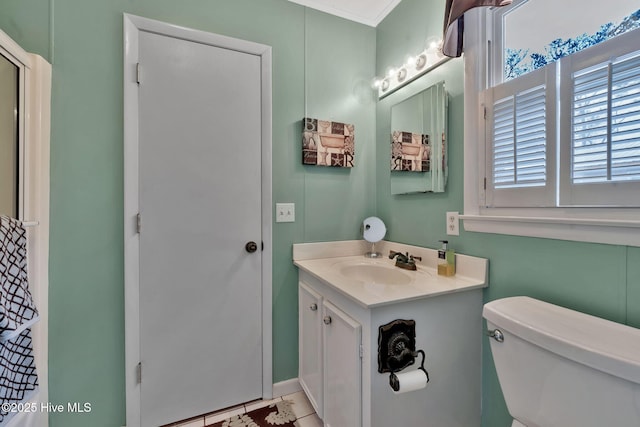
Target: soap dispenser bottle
[(446, 260)]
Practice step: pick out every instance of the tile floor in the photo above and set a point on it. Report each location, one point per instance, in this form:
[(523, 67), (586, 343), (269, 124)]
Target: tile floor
[(301, 408)]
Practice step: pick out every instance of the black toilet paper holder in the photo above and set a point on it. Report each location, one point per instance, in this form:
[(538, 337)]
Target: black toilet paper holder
[(397, 349)]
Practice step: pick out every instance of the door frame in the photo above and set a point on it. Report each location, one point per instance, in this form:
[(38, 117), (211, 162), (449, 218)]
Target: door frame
[(133, 25)]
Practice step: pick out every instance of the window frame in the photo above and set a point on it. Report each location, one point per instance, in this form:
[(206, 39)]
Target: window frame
[(610, 225)]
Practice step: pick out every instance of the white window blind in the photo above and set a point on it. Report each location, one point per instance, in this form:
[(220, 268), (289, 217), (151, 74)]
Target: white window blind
[(606, 123), (519, 155), (625, 108), (601, 123), (519, 129)]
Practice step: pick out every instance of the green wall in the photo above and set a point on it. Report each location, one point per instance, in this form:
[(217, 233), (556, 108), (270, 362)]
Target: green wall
[(322, 66), (603, 280)]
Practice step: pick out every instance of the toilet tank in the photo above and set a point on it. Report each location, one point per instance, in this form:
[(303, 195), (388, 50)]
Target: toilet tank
[(562, 368)]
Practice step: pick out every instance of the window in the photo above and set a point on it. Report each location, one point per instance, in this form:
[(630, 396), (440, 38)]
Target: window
[(557, 139)]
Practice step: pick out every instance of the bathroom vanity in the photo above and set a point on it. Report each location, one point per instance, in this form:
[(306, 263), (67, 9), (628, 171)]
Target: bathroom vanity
[(344, 298)]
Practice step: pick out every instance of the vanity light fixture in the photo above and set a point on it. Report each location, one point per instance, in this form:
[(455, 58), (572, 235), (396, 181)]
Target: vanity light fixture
[(415, 67)]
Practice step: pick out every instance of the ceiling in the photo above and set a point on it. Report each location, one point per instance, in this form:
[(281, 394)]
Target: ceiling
[(368, 12)]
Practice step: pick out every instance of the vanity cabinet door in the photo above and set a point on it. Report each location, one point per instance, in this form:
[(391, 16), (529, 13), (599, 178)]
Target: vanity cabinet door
[(342, 338), (310, 345)]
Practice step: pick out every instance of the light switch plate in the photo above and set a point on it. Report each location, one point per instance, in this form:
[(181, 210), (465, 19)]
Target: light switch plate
[(285, 212)]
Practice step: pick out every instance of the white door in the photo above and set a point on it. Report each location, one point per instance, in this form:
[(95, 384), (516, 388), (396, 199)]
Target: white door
[(200, 204)]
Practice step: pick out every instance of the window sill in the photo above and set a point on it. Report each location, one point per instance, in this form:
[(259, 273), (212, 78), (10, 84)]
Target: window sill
[(608, 231)]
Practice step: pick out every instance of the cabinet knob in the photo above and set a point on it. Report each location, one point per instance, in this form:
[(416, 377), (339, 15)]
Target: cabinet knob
[(313, 307), (327, 320)]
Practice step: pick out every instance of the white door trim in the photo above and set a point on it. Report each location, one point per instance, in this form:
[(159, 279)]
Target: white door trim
[(133, 25)]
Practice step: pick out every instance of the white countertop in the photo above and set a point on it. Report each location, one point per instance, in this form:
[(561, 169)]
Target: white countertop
[(373, 291)]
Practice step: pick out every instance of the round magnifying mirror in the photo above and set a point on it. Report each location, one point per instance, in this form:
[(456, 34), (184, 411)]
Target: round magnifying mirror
[(374, 230)]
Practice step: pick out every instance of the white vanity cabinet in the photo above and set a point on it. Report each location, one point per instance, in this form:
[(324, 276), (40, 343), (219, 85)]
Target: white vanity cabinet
[(339, 319), (330, 362)]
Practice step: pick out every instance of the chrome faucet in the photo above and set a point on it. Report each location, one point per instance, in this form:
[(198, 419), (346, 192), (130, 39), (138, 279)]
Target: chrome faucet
[(405, 261)]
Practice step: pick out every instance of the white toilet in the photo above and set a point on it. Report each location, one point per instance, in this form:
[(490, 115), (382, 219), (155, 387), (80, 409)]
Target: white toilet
[(561, 368)]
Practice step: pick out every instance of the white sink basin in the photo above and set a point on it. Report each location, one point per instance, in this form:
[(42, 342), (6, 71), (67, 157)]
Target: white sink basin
[(375, 273)]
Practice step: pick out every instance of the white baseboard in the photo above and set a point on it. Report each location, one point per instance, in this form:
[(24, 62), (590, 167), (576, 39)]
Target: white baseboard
[(286, 387)]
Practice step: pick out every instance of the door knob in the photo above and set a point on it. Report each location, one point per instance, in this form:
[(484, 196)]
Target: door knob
[(251, 247)]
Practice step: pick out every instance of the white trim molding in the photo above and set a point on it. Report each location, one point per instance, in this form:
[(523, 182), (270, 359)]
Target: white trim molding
[(593, 230)]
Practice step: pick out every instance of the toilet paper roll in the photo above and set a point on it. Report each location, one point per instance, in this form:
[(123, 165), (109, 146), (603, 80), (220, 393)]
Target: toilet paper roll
[(410, 381)]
